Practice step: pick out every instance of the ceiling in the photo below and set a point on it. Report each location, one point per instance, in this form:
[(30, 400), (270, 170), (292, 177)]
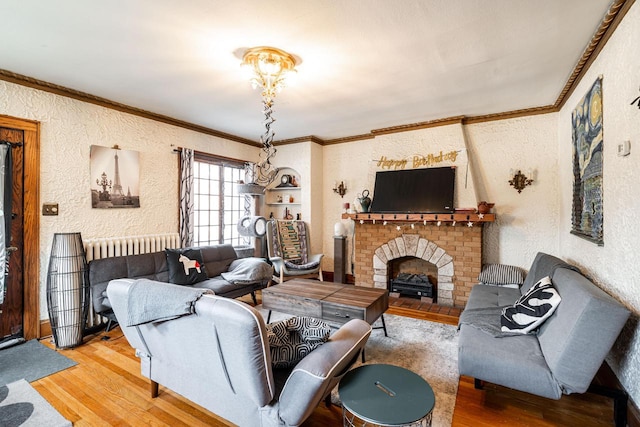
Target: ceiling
[(364, 64)]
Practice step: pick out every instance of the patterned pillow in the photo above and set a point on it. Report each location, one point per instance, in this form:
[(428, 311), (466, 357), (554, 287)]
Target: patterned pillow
[(292, 339), (531, 309), (501, 274), (185, 266)]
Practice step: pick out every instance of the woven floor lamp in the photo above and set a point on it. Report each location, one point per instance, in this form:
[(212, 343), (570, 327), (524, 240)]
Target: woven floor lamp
[(68, 292)]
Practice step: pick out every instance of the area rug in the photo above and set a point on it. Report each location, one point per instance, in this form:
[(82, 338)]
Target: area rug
[(427, 348), (30, 361), (21, 405)]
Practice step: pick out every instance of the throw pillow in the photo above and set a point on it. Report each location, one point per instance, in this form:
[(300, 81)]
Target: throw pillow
[(292, 339), (501, 274), (531, 309), (185, 266)]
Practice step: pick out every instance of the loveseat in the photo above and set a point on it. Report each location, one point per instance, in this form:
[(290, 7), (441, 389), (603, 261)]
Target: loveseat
[(217, 260), (219, 358), (563, 355)]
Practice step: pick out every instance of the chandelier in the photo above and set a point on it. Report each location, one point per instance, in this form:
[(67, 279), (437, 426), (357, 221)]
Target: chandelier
[(269, 67)]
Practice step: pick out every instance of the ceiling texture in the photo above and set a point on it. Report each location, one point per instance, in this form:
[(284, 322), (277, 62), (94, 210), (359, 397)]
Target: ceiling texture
[(364, 65)]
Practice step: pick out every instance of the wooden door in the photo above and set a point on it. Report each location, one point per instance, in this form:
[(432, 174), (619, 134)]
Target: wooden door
[(12, 308), (29, 220)]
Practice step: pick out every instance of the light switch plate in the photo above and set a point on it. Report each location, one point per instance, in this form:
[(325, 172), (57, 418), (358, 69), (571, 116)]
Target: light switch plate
[(624, 148), (49, 209)]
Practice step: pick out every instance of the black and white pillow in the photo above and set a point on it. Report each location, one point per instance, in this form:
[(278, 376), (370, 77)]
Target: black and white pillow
[(531, 309), (501, 275), (292, 339), (185, 266)]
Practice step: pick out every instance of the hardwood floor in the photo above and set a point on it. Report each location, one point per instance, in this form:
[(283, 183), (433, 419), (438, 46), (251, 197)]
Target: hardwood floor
[(106, 389)]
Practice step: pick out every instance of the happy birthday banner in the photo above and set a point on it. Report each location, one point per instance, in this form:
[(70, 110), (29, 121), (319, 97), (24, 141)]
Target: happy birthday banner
[(417, 161)]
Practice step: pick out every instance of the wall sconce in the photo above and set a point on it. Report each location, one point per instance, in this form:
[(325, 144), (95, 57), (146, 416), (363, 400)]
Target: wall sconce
[(340, 189), (520, 181)]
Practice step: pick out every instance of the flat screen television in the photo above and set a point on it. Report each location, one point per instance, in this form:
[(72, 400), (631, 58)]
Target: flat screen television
[(428, 190)]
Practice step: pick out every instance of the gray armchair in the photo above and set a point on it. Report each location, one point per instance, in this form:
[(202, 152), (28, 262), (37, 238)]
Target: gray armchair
[(290, 252), (219, 358)]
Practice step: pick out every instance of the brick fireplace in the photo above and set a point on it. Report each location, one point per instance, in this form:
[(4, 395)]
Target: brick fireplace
[(453, 248)]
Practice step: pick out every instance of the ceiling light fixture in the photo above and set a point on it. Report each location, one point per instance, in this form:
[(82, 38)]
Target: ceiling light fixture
[(269, 67)]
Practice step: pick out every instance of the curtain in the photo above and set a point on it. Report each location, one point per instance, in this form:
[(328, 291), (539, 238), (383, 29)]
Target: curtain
[(186, 197), (5, 214)]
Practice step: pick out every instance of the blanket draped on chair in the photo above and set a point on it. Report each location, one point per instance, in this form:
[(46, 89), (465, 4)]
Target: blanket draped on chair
[(151, 301), (291, 241)]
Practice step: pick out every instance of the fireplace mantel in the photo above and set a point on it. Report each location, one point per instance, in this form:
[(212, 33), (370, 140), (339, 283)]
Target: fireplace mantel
[(421, 217), (450, 242)]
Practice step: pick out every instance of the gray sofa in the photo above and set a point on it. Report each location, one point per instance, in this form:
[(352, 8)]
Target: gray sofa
[(219, 358), (569, 348), (217, 260)]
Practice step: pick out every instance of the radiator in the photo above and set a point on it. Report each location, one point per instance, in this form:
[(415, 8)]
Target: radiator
[(131, 245), (119, 246)]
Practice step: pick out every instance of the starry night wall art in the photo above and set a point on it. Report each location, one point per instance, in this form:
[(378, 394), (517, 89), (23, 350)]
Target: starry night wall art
[(587, 214)]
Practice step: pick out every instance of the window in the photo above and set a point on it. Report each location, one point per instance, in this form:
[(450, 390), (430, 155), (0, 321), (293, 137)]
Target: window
[(217, 205)]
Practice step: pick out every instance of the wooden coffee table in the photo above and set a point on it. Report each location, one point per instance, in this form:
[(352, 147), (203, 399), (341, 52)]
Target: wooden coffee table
[(332, 302)]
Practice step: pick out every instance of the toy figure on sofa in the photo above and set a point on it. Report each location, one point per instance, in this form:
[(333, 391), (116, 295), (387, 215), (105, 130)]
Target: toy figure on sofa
[(289, 251)]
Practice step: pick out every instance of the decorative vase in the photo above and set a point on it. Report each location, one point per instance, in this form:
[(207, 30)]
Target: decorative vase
[(484, 207), (365, 201), (339, 229)]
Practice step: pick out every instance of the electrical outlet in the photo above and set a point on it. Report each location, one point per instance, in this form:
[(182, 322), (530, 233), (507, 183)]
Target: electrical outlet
[(50, 209)]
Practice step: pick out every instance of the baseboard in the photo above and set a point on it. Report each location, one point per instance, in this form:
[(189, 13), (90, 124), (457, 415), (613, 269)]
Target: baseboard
[(45, 329), (607, 378)]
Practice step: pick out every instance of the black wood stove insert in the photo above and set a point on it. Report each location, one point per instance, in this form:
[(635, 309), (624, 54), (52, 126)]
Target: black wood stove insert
[(414, 285)]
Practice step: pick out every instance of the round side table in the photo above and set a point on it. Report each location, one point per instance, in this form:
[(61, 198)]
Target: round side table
[(385, 395)]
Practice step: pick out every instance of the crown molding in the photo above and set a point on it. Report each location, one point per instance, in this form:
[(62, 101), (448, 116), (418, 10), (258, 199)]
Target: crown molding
[(510, 114), (310, 138), (421, 125), (352, 138), (610, 22), (376, 132), (22, 80)]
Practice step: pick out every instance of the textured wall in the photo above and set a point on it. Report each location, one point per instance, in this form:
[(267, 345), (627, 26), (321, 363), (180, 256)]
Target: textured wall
[(527, 222), (69, 128), (356, 164), (616, 265), (306, 159)]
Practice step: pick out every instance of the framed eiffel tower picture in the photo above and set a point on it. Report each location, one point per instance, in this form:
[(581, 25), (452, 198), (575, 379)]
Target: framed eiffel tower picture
[(115, 178)]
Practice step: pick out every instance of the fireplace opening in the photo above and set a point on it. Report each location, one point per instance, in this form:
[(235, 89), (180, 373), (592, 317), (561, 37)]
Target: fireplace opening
[(413, 277), (413, 285)]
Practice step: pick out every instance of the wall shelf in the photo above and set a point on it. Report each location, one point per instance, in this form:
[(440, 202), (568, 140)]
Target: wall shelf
[(283, 188), (279, 201)]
